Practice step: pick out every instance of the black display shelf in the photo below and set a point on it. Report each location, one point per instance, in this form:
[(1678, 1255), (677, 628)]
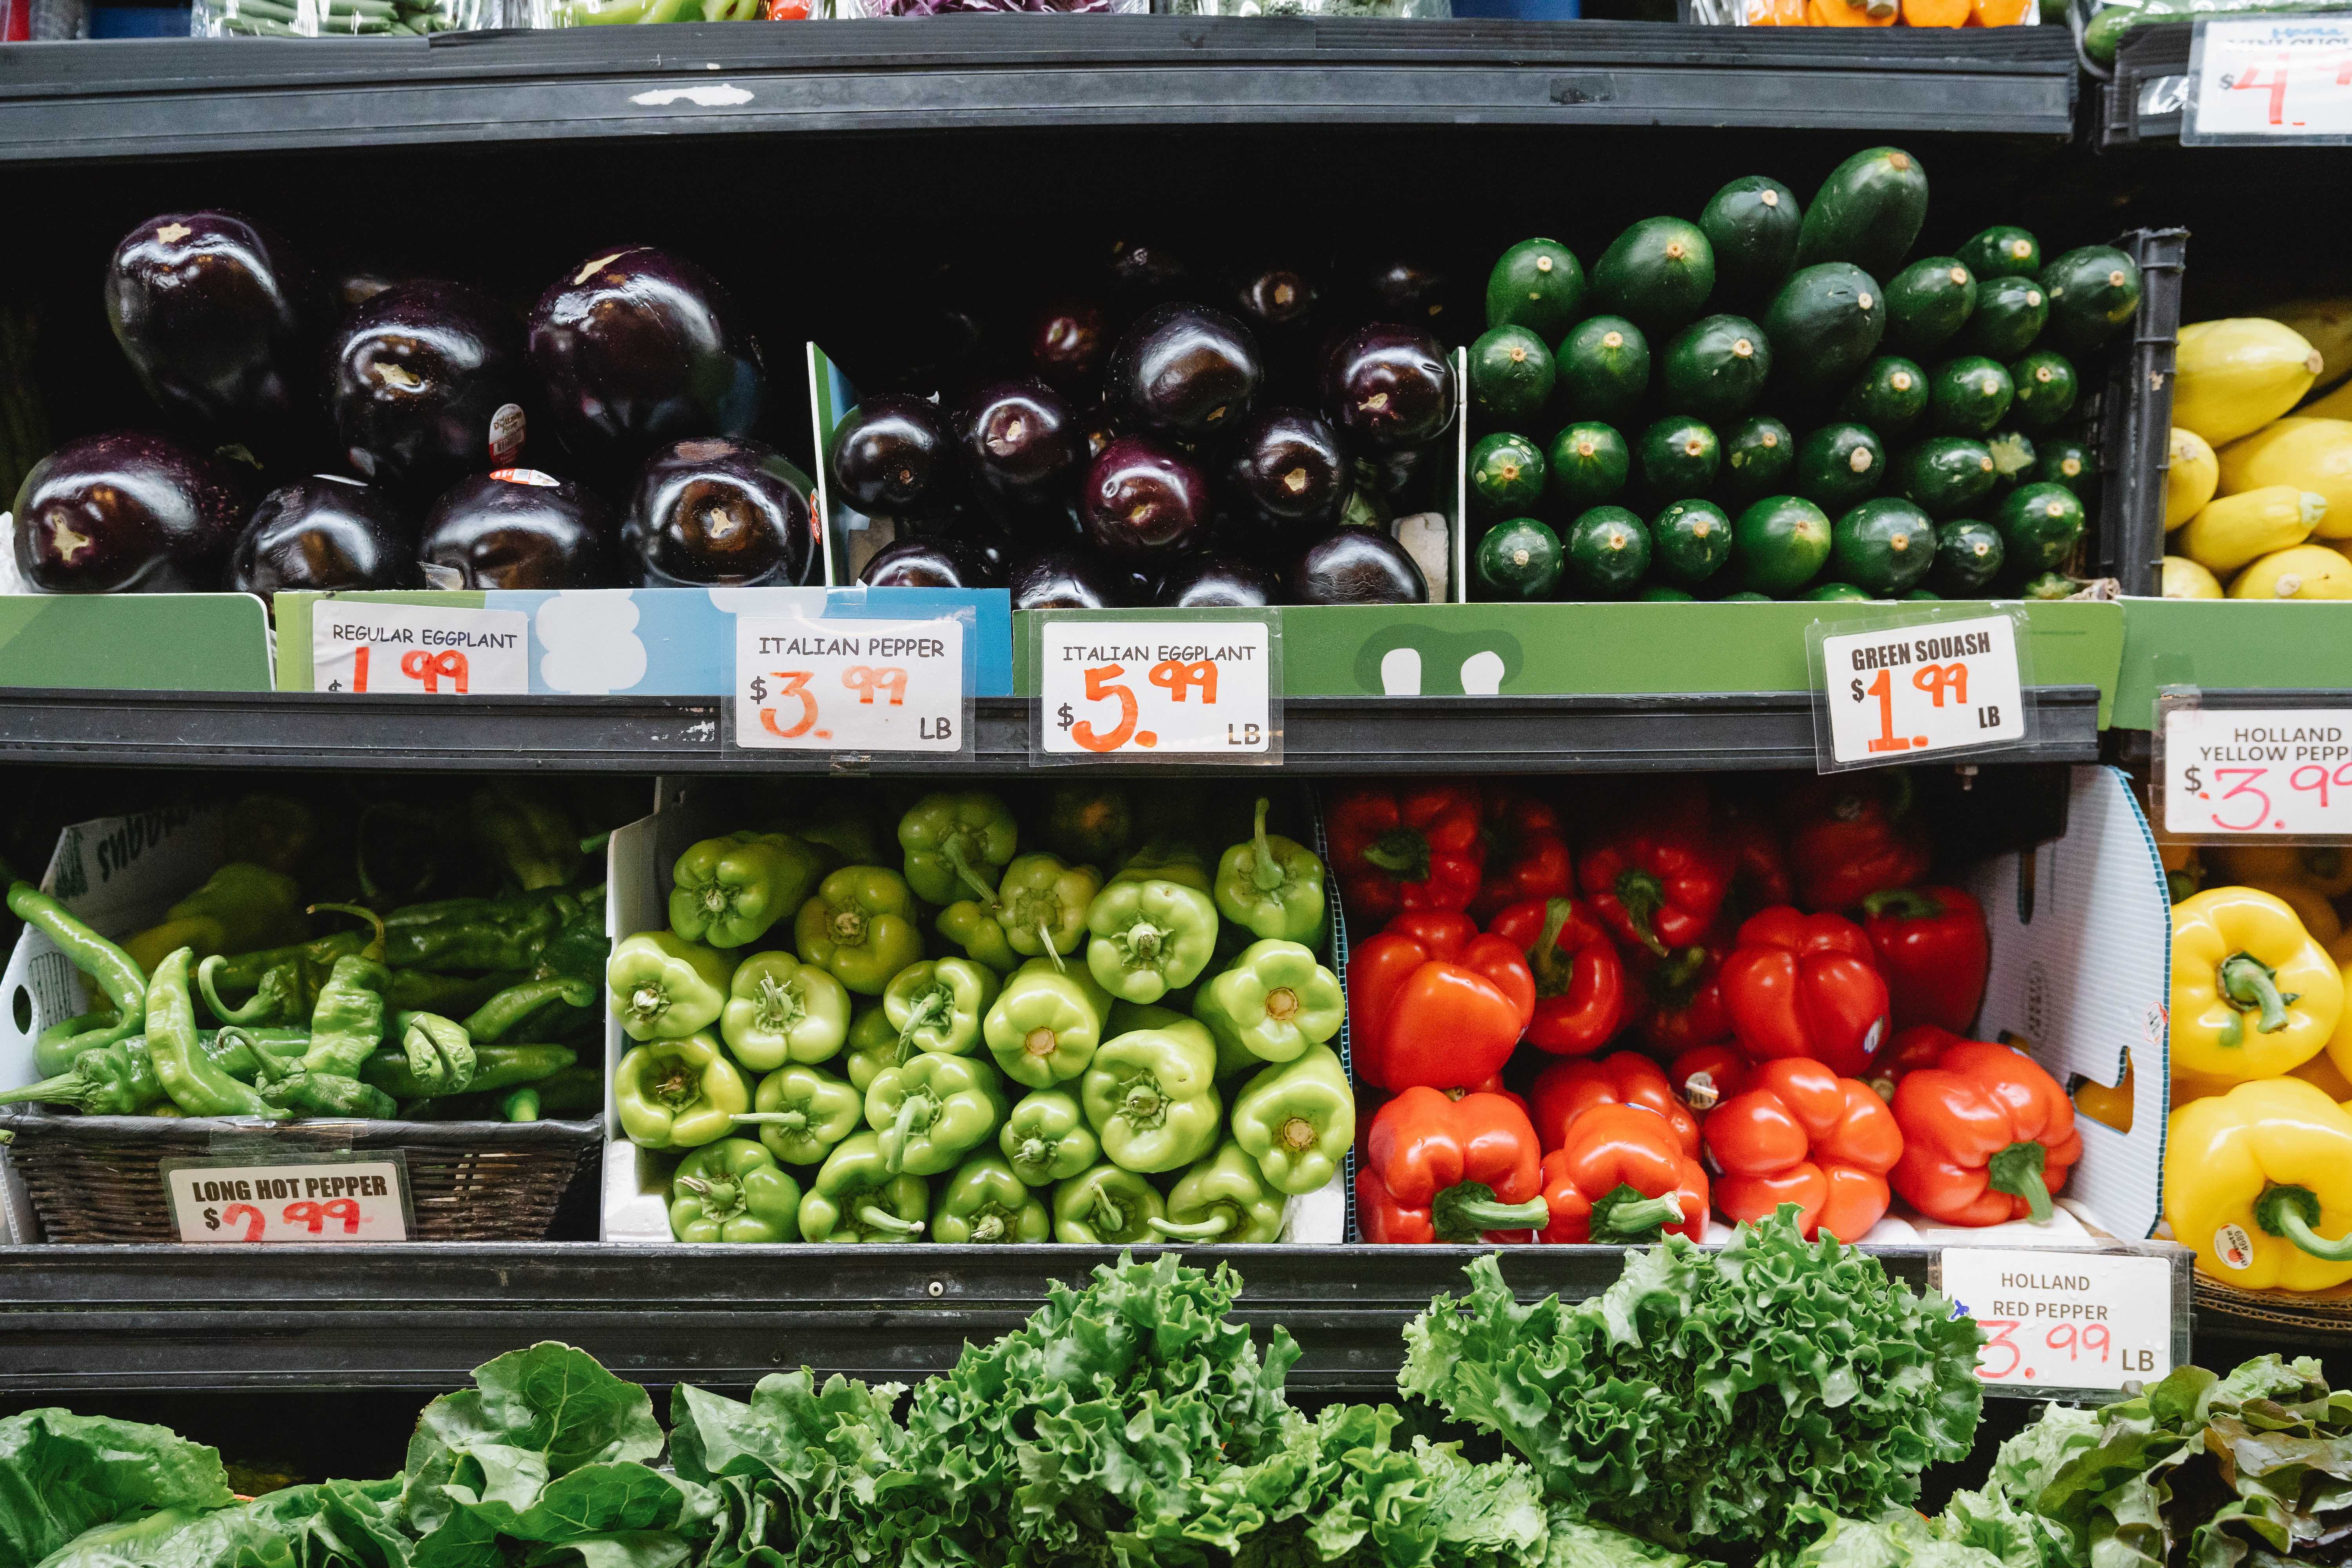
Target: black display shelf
[(2142, 102), (587, 735), (63, 103)]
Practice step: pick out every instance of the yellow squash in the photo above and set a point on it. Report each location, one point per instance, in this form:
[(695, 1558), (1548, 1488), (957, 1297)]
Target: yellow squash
[(2191, 477), (2337, 405), (2313, 455), (2184, 579), (2305, 572), (2325, 325), (2235, 530), (2234, 376)]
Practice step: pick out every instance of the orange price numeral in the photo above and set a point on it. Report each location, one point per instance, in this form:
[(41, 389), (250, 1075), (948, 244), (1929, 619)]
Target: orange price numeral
[(1936, 680), (430, 669), (795, 684), (1176, 678), (1100, 685), (866, 681), (1888, 740), (313, 1217)]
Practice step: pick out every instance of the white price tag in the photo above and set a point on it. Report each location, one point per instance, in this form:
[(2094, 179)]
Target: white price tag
[(412, 649), (804, 685), (1142, 689), (2270, 79), (2257, 771), (1901, 692), (2064, 1319), (342, 1200)]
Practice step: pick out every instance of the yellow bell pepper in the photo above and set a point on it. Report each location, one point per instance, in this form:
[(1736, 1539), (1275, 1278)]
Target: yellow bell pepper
[(2320, 921), (2340, 950), (2259, 1181), (2252, 996)]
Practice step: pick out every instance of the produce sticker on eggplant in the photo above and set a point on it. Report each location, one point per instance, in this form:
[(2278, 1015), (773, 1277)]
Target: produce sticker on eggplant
[(849, 685), (418, 650), (1142, 690), (1895, 693), (228, 1202), (2064, 1319), (2257, 772), (2267, 81)]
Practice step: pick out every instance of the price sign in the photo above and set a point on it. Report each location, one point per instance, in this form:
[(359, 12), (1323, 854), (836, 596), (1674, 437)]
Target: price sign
[(804, 685), (226, 1202), (2064, 1319), (2246, 772), (429, 650), (1897, 693), (2257, 80), (1141, 689)]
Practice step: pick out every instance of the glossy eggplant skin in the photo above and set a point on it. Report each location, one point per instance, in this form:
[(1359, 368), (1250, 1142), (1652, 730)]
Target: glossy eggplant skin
[(1020, 443), (517, 533), (1068, 341), (1143, 270), (1144, 498), (1405, 288), (325, 534), (715, 512), (1289, 468), (893, 454), (1277, 298), (127, 512), (635, 348), (416, 377), (926, 561), (1067, 580), (1186, 370), (1355, 566), (1389, 386), (1218, 583), (219, 321)]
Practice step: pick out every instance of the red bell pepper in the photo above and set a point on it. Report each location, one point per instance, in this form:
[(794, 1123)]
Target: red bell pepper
[(1679, 998), (1707, 1076), (1934, 951), (1526, 853), (1987, 1136), (1439, 1169), (1580, 980), (1492, 1084), (1905, 1053), (1659, 880), (1566, 1090), (1621, 1176), (1759, 869), (1850, 837), (1409, 847), (1805, 986), (1801, 1134), (1433, 1003)]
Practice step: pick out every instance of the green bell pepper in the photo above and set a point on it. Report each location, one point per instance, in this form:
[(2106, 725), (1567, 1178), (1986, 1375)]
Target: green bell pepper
[(1151, 1095), (933, 1110), (938, 1004), (727, 891), (872, 1049), (1090, 824), (956, 844), (1043, 1029), (1106, 1206), (346, 1021), (858, 1197), (861, 927), (1041, 903), (973, 927), (733, 1191), (803, 1112), (1223, 1198), (1149, 937), (1297, 1120), (779, 1009), (1166, 863), (842, 827), (1100, 1000), (1271, 885), (664, 987), (676, 1094), (1045, 1138), (985, 1203), (1275, 1002)]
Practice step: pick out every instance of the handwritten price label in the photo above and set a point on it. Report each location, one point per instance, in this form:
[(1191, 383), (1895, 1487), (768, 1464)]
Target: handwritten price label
[(804, 685), (2258, 79), (2254, 772), (344, 1200), (1896, 694), (2064, 1319), (413, 651), (1156, 688)]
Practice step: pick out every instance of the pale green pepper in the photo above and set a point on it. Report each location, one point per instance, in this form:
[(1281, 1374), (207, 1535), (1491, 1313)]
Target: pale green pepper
[(664, 987), (1045, 1138), (1043, 1029), (1149, 937), (1106, 1206), (1150, 1095), (985, 1204), (938, 1005), (1297, 1120), (1223, 1198), (858, 1197), (872, 1049), (1275, 1002), (676, 1094), (957, 844), (1271, 885), (933, 1110), (803, 1112), (779, 1009)]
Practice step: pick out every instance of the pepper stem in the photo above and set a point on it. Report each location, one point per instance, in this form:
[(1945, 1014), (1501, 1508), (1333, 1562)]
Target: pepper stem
[(1642, 896), (1624, 1214), (372, 950), (881, 1218), (1401, 852), (970, 878), (2249, 984), (1552, 974), (2017, 1171), (988, 1227), (1110, 1216), (789, 1121), (902, 1127), (1464, 1213), (1264, 871), (1904, 904), (1045, 940), (2291, 1211), (1033, 1153), (1197, 1230), (917, 1019)]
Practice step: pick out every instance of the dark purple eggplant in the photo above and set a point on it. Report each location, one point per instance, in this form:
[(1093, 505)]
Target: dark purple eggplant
[(325, 534), (1186, 370), (721, 512), (635, 348), (1067, 342), (425, 382), (893, 454), (1277, 299), (219, 321), (1067, 580), (926, 561), (1389, 386), (1405, 289), (127, 511), (530, 531), (1355, 566), (352, 288), (1218, 583), (1287, 466), (1142, 271), (1020, 442), (1144, 498)]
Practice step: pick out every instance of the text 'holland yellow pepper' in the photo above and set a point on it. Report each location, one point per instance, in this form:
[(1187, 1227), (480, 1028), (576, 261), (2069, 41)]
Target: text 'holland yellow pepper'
[(2259, 1181), (2252, 996)]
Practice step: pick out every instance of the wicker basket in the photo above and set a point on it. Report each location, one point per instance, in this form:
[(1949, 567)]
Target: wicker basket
[(96, 1179), (2326, 1311)]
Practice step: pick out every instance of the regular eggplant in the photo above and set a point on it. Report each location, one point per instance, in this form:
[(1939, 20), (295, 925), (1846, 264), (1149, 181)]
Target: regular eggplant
[(1405, 288), (1355, 566), (1142, 271), (893, 454), (1277, 299), (1067, 341), (1218, 583), (926, 561), (219, 321), (325, 534), (1020, 442), (1288, 468), (425, 382), (1389, 386), (127, 512), (721, 512), (1144, 498), (1186, 370), (521, 529), (635, 348), (1067, 580)]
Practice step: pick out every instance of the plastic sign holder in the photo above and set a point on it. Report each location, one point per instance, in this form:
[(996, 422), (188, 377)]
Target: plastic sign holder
[(1202, 686), (1941, 682), (2059, 1322), (854, 683), (409, 650), (317, 1197), (2269, 81), (2247, 765)]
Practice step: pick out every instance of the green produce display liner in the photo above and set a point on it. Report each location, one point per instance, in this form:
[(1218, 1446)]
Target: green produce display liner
[(135, 642), (2220, 644)]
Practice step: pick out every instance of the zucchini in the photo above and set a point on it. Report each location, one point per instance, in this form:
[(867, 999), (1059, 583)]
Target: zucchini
[(1506, 474), (1825, 323), (1757, 459), (2043, 390), (1679, 458), (2094, 294), (1691, 541), (1589, 465), (1928, 302), (2065, 461), (1884, 545), (1969, 556), (1608, 552), (1839, 593), (1889, 396), (1520, 559), (1658, 593), (1779, 544), (2003, 251), (1838, 466), (1867, 212), (2038, 523), (2048, 586), (1537, 284), (1715, 367), (1923, 593), (1601, 369), (1947, 475), (2008, 316), (1967, 396), (1753, 224), (1745, 596), (1658, 274), (2012, 457), (1510, 376)]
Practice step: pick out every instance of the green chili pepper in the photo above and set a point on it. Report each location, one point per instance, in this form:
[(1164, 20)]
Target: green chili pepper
[(508, 1008), (460, 995), (985, 1204), (1178, 863), (1297, 1120), (956, 844), (1045, 1138), (662, 986), (1042, 1028), (1275, 1002), (938, 1003), (58, 1047), (973, 927), (119, 978), (872, 1049), (347, 1022), (1106, 1206), (438, 1050), (727, 891), (1089, 824), (1271, 885), (733, 1191), (196, 1083), (676, 1094), (779, 1009), (1223, 1198), (532, 835), (1150, 1094), (858, 1197), (245, 971), (1149, 937), (932, 1111), (495, 1067), (861, 926), (277, 1000), (484, 934), (802, 1111), (329, 1094), (119, 1079)]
